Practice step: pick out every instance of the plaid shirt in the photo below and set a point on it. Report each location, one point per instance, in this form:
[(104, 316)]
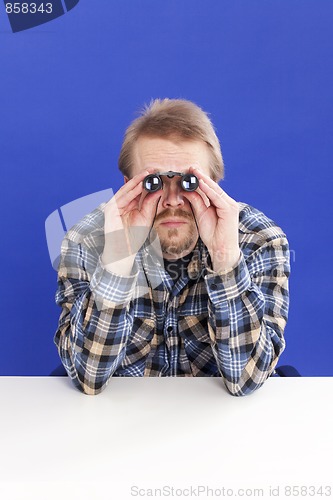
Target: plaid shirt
[(206, 324)]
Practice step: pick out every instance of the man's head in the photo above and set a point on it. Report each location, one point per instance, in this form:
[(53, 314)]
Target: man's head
[(178, 118), (172, 134)]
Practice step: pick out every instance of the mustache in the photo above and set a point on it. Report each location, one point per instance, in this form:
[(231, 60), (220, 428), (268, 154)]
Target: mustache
[(178, 212)]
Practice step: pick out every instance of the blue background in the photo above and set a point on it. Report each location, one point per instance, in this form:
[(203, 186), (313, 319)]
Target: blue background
[(68, 90)]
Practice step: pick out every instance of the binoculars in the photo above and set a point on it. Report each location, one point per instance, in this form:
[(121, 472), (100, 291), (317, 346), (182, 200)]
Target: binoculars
[(153, 182)]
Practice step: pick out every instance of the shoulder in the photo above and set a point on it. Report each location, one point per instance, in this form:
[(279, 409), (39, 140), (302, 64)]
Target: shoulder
[(91, 225), (256, 229), (82, 245)]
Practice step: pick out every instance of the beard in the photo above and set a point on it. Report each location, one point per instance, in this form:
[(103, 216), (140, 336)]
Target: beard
[(175, 244), (177, 241)]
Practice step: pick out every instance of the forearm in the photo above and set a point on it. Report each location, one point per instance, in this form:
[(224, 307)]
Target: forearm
[(92, 344), (94, 326), (246, 355), (247, 316)]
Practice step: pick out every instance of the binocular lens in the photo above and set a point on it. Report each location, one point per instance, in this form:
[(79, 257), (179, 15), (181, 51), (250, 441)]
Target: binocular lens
[(152, 183), (190, 182)]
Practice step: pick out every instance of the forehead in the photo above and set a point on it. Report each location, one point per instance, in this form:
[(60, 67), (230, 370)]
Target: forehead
[(170, 154)]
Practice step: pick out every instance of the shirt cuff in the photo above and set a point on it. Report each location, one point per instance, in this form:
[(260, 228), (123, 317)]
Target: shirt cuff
[(110, 289), (228, 285)]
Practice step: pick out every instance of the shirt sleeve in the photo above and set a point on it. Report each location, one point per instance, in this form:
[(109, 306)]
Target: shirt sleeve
[(248, 310), (96, 317)]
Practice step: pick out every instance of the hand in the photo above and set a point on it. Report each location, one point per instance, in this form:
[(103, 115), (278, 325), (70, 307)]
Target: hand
[(217, 216), (129, 216)]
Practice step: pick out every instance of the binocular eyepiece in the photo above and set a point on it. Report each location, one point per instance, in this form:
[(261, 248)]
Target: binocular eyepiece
[(153, 182)]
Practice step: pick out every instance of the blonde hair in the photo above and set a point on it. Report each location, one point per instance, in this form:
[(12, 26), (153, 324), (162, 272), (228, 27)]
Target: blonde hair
[(177, 118)]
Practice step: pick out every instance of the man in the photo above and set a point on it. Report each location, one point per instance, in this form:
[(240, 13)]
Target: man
[(172, 282)]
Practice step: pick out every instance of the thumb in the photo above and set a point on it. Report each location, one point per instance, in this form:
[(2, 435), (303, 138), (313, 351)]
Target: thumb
[(197, 203), (149, 205)]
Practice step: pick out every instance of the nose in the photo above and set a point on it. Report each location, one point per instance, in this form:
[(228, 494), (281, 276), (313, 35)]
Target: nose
[(172, 194)]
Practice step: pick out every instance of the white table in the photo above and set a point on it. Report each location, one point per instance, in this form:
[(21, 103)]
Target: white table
[(146, 433)]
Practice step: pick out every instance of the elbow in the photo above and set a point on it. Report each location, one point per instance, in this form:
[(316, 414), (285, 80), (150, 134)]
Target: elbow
[(88, 387), (242, 391), (242, 388), (92, 389)]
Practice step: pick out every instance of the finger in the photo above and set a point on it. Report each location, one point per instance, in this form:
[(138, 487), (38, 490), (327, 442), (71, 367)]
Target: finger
[(138, 201), (117, 207), (137, 179), (130, 190), (197, 202), (149, 203), (201, 175), (218, 199), (204, 197), (212, 184), (125, 196), (122, 199), (133, 205)]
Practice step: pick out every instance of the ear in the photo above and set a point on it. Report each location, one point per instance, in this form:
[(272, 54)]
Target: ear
[(126, 179)]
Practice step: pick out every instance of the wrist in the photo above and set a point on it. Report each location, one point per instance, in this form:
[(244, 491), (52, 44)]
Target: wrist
[(226, 261), (122, 267)]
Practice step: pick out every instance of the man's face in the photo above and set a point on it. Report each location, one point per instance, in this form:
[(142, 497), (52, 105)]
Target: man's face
[(174, 221)]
